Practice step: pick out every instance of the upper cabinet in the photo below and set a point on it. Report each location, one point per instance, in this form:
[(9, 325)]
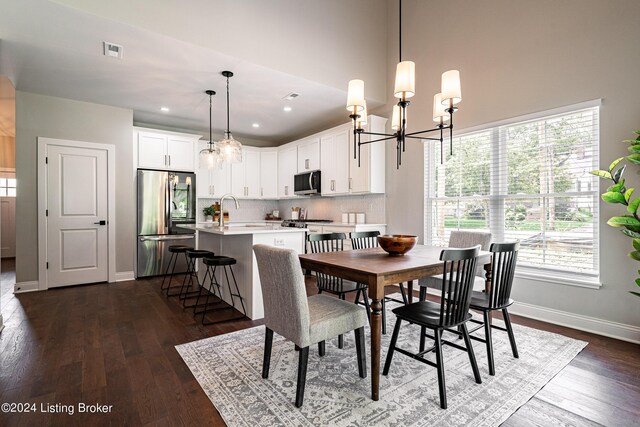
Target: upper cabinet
[(309, 154), (269, 174), (245, 176), (287, 168), (157, 149), (334, 161), (212, 183), (368, 175)]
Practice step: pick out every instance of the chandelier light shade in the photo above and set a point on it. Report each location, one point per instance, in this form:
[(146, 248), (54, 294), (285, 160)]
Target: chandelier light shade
[(230, 150), (355, 96), (444, 105), (451, 92), (405, 86), (209, 157)]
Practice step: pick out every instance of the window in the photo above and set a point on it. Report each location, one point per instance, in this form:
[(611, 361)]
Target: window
[(7, 187), (527, 181)]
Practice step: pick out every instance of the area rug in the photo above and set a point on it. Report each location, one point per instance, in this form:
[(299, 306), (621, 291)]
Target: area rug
[(228, 367)]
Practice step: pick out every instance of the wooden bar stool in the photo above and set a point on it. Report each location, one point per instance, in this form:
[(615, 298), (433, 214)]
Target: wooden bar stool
[(175, 251)]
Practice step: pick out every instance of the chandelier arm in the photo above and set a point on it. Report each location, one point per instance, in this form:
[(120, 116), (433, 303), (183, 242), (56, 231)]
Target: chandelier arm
[(422, 137), (377, 140), (359, 150), (378, 134), (451, 126), (423, 131)]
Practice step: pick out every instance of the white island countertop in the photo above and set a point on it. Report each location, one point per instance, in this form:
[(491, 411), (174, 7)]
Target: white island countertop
[(241, 229)]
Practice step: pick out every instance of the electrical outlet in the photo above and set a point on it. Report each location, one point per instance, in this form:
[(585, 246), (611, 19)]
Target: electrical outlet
[(278, 242)]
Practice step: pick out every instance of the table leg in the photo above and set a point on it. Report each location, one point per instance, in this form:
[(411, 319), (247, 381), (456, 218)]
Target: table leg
[(410, 290), (376, 337)]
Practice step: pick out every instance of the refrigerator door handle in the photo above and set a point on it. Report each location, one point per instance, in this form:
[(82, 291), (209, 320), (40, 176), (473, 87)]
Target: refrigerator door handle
[(167, 206), (167, 238)]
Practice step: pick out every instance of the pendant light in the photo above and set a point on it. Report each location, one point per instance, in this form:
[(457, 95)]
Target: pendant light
[(444, 105), (210, 156), (230, 149)]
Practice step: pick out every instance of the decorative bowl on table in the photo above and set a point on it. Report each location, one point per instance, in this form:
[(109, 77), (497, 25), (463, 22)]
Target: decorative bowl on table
[(397, 244)]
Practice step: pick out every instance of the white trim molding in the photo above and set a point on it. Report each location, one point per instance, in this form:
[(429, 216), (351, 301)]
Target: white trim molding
[(123, 276), (21, 287), (606, 328)]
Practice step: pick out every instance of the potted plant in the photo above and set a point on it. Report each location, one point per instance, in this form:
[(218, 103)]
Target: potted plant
[(208, 213), (619, 193)]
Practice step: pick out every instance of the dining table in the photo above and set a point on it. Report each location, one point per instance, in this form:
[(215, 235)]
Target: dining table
[(378, 269)]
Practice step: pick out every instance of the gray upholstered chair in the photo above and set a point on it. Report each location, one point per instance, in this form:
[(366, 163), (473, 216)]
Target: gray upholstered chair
[(301, 319), (460, 239)]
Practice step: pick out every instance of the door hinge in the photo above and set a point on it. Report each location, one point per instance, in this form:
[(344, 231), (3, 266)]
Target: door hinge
[(47, 265)]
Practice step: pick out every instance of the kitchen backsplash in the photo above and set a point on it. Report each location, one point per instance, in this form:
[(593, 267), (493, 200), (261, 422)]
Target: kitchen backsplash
[(250, 210), (372, 205)]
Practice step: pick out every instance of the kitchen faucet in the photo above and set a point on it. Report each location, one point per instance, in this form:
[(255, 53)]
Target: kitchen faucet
[(221, 213)]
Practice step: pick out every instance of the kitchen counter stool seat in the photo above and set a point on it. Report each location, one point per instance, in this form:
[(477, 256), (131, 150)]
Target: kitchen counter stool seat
[(192, 256), (215, 289), (175, 251)]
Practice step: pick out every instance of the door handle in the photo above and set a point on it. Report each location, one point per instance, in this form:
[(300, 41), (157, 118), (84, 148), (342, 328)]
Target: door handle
[(286, 190), (169, 156), (101, 222)]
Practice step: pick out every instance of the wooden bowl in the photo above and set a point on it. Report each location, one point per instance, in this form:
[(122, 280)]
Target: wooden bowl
[(397, 244)]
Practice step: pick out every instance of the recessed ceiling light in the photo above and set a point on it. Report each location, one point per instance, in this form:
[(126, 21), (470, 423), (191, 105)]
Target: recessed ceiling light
[(256, 125), (287, 108), (164, 109)]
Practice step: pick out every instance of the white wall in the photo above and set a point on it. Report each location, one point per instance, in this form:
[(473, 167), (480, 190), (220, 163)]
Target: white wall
[(515, 58), (46, 116)]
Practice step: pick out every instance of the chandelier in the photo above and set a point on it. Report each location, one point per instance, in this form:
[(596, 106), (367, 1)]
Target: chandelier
[(230, 149), (444, 105), (210, 156)]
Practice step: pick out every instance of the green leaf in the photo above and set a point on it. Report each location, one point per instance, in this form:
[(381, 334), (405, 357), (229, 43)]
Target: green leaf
[(636, 244), (623, 221), (633, 234), (635, 293), (619, 187), (637, 131), (634, 148), (634, 158), (618, 174), (602, 174), (633, 205), (628, 193), (615, 163), (634, 255), (613, 197), (631, 141)]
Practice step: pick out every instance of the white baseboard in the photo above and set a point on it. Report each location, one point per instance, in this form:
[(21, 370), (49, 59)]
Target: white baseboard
[(123, 276), (606, 328), (21, 287), (602, 327)]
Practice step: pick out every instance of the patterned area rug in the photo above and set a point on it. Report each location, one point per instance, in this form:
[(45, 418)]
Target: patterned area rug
[(228, 367)]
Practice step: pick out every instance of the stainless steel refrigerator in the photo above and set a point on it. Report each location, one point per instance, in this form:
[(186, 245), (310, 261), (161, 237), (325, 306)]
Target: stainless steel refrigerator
[(165, 199)]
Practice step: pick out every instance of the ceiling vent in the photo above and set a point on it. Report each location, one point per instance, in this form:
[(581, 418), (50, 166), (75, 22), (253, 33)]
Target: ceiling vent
[(291, 96), (112, 50)]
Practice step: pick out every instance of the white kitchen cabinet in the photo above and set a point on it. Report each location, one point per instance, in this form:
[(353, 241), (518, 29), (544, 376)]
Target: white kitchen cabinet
[(369, 175), (287, 168), (309, 154), (245, 176), (334, 161), (212, 183), (157, 149), (269, 174)]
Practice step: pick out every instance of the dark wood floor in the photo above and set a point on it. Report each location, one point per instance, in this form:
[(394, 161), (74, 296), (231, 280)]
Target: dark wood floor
[(114, 345)]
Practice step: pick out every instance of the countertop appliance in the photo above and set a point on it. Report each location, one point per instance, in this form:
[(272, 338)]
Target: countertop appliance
[(307, 183), (165, 199), (302, 223)]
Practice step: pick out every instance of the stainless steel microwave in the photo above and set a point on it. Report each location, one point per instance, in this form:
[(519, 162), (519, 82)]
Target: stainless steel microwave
[(307, 183)]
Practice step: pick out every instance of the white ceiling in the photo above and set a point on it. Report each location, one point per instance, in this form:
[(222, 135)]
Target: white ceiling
[(52, 49)]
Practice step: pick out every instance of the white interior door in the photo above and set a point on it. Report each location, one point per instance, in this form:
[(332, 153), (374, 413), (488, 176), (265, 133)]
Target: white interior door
[(77, 202), (7, 227)]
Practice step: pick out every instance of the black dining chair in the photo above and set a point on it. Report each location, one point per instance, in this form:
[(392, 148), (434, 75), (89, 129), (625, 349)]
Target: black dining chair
[(331, 242), (367, 240), (453, 312), (503, 266)]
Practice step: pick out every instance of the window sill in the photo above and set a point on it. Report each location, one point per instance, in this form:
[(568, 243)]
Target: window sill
[(575, 279)]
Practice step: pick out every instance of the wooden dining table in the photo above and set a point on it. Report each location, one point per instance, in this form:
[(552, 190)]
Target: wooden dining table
[(377, 269)]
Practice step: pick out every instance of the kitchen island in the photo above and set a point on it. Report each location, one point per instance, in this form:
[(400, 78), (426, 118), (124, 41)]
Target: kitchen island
[(237, 241)]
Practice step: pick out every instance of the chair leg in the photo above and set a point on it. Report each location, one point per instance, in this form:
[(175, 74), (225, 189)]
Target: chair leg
[(392, 347), (472, 356), (362, 357), (322, 348), (423, 293), (512, 338), (440, 365), (303, 359), (487, 337), (166, 272), (384, 317), (268, 343), (423, 331), (341, 337)]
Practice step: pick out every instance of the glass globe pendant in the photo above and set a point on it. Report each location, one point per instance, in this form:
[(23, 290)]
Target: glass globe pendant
[(230, 150), (210, 156)]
